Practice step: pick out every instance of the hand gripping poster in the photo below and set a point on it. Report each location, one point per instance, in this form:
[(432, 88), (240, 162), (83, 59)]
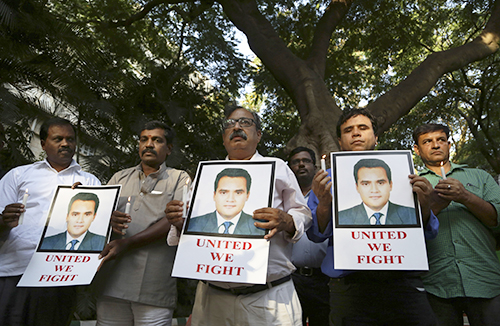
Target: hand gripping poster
[(219, 241), (76, 230), (377, 222)]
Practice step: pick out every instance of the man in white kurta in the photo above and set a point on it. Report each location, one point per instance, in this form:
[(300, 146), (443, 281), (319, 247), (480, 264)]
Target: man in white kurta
[(276, 303)]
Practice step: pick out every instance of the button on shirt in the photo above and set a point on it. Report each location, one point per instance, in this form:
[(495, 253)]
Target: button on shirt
[(41, 181), (462, 258)]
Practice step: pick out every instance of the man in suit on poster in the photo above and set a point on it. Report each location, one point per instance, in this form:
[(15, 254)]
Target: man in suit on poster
[(374, 185), (231, 191), (81, 213)]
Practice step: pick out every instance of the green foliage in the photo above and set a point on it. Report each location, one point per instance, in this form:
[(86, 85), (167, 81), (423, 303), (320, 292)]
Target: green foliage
[(110, 74), (375, 47)]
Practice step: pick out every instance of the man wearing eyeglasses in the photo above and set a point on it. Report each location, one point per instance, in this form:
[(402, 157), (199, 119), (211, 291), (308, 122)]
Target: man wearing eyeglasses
[(276, 303)]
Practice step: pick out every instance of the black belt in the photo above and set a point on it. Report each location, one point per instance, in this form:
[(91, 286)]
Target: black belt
[(308, 271), (251, 289)]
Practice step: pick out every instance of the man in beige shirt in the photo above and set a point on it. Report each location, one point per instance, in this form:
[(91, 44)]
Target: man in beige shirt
[(134, 281)]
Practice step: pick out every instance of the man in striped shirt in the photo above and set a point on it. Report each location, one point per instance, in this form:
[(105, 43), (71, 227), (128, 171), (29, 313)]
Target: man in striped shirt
[(464, 271)]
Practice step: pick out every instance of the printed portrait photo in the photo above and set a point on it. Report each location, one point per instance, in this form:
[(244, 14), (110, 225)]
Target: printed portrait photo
[(79, 219), (374, 190), (226, 195)]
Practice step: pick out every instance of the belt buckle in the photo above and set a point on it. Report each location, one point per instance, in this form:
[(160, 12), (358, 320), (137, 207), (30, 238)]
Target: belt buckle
[(306, 271)]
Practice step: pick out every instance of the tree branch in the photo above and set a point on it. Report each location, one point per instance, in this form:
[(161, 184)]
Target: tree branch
[(401, 99), (326, 25), (265, 43), (148, 7)]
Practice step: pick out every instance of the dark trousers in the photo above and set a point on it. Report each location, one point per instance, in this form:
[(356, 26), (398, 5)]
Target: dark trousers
[(35, 306), (479, 311), (314, 295), (380, 298)]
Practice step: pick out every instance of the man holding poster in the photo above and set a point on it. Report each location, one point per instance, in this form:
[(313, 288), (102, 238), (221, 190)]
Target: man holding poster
[(276, 302), (464, 273), (369, 297), (31, 305), (231, 191), (136, 287)]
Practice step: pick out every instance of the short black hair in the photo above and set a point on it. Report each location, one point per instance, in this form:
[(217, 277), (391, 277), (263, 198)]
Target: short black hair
[(372, 163), (155, 124), (230, 109), (84, 196), (44, 129), (430, 127), (350, 113), (233, 173), (299, 149)]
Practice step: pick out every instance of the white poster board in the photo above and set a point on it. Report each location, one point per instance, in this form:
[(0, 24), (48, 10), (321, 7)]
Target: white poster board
[(370, 186), (226, 191), (76, 230)]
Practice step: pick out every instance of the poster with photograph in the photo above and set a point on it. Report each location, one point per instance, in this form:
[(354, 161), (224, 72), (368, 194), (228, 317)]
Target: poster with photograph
[(76, 230), (376, 215), (219, 234)]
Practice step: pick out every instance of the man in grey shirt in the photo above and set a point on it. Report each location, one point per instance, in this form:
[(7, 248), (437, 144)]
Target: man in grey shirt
[(136, 287)]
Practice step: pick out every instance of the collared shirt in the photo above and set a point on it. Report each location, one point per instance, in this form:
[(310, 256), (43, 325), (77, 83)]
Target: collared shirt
[(234, 221), (79, 240), (143, 274), (288, 198), (462, 258), (41, 181), (430, 232), (371, 217)]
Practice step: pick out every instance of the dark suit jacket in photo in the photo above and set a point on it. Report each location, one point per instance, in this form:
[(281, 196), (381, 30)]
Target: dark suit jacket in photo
[(396, 214), (208, 223), (90, 242)]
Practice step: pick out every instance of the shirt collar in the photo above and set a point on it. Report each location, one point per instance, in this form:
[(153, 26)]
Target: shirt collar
[(369, 212), (234, 220), (255, 156), (454, 166), (69, 238), (162, 168), (72, 165)]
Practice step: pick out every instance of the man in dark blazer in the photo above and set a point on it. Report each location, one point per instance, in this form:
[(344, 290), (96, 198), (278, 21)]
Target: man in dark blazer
[(374, 185), (231, 191), (81, 213)]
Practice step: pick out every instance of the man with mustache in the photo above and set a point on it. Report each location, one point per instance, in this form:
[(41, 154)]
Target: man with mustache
[(276, 302), (464, 271), (369, 297), (35, 306), (136, 287)]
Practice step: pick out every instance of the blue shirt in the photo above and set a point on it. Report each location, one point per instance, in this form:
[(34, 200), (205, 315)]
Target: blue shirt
[(430, 232)]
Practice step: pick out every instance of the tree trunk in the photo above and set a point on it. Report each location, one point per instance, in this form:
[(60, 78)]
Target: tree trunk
[(303, 80)]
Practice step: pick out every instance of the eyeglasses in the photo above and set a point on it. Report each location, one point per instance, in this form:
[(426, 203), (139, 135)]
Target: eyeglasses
[(303, 160), (244, 122)]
